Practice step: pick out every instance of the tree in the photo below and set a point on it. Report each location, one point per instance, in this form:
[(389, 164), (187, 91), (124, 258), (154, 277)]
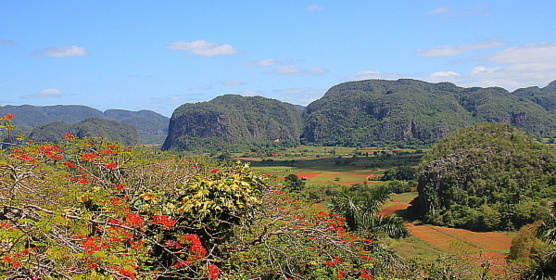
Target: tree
[(485, 177), (360, 206), (544, 263), (294, 183)]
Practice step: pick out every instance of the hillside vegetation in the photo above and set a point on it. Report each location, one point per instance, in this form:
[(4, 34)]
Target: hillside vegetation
[(90, 127), (360, 113), (485, 177), (233, 121), (148, 124)]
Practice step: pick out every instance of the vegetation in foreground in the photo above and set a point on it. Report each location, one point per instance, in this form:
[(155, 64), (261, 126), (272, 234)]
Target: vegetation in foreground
[(92, 209)]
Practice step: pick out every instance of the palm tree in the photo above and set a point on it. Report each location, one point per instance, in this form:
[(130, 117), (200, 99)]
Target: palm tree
[(544, 266), (361, 205)]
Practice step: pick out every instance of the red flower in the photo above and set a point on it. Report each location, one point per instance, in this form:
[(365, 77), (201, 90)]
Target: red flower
[(89, 246), (127, 273), (111, 165), (89, 156), (197, 247), (120, 187), (70, 136), (9, 116), (135, 220), (341, 274), (70, 164), (214, 271), (163, 220), (215, 170)]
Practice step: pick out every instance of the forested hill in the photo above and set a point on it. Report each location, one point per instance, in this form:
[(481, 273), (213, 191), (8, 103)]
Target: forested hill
[(27, 117), (233, 121), (546, 97), (359, 113)]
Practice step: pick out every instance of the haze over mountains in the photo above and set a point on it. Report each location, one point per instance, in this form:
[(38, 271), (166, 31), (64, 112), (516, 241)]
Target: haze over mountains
[(349, 114)]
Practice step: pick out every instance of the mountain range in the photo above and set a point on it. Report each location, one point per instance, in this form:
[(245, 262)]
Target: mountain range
[(356, 113)]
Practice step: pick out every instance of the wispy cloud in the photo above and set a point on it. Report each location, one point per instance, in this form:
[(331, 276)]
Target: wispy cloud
[(203, 48), (300, 96), (65, 51), (261, 63), (315, 8), (294, 70), (441, 10), (231, 83), (45, 93), (372, 74), (443, 51), (6, 43)]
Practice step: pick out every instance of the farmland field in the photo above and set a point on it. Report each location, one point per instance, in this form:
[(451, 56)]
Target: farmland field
[(472, 253)]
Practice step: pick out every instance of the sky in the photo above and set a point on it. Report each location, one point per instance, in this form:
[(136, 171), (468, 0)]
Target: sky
[(158, 55)]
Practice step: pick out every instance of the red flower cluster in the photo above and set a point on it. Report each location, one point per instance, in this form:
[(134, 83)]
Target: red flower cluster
[(336, 261), (89, 246), (134, 220), (8, 116), (197, 248), (214, 271), (163, 220)]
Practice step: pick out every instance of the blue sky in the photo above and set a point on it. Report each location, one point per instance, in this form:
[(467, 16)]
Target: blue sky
[(158, 55)]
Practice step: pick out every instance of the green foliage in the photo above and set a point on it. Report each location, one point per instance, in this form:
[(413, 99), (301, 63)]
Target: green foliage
[(147, 123), (401, 173), (363, 112), (232, 121), (546, 97), (294, 183), (360, 206), (485, 177), (90, 127)]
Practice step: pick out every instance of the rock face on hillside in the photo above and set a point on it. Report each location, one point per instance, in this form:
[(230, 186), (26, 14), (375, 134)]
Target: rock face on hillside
[(359, 113), (231, 121)]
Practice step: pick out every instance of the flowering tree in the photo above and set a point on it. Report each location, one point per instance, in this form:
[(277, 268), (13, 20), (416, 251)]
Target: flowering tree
[(92, 209)]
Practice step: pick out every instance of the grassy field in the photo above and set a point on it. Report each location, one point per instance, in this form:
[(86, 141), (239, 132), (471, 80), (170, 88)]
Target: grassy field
[(322, 168)]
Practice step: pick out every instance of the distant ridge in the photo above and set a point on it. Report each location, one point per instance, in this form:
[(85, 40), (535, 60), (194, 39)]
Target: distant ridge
[(362, 112)]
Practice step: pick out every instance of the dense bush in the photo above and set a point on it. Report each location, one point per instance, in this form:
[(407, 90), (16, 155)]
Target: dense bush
[(485, 177)]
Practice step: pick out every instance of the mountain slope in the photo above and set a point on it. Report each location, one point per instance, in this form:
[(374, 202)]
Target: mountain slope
[(360, 113), (230, 121)]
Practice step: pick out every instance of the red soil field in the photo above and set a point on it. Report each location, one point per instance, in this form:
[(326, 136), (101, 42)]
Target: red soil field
[(307, 174), (485, 240), (392, 209)]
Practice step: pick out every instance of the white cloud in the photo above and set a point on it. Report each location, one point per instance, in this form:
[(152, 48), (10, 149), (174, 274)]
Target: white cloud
[(203, 48), (441, 51), (438, 11), (293, 70), (300, 96), (371, 75), (528, 65), (65, 51), (45, 93), (231, 83), (261, 63), (315, 8), (7, 43), (442, 76)]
